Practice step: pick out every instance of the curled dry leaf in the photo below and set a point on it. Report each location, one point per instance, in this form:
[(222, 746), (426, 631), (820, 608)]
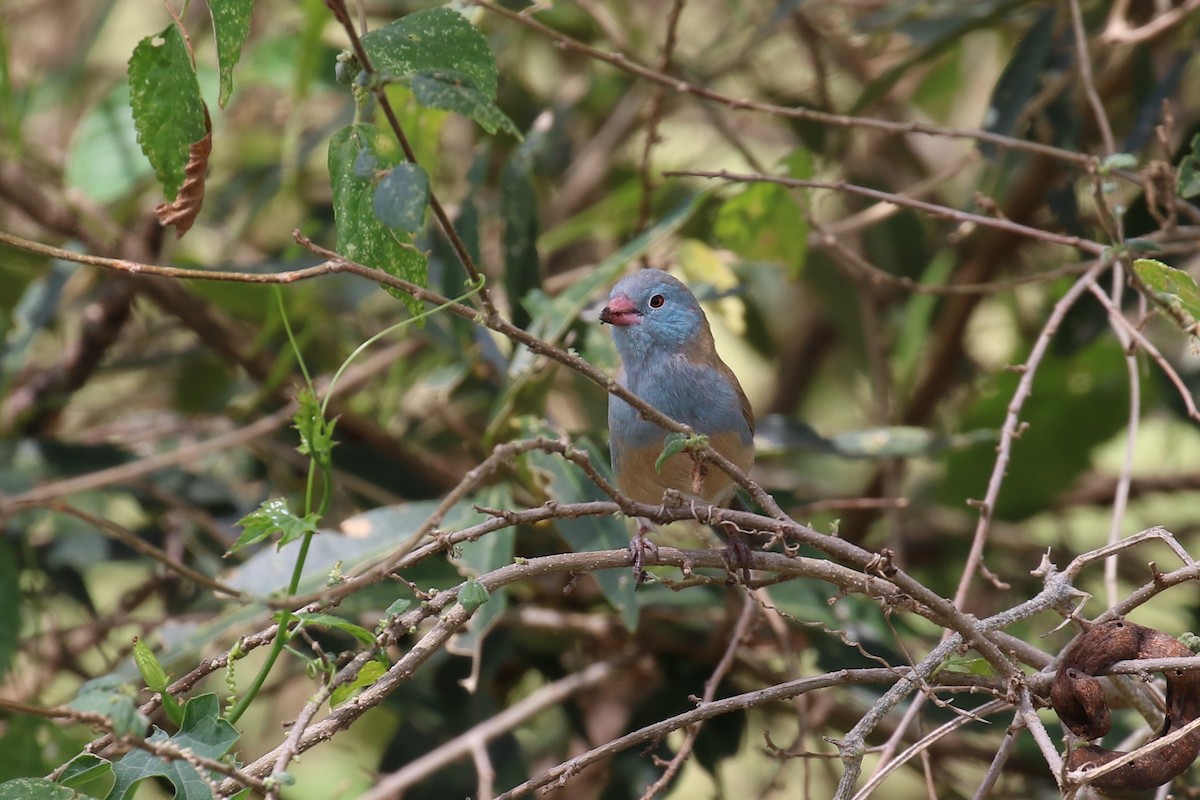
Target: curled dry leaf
[(1078, 699), (182, 212)]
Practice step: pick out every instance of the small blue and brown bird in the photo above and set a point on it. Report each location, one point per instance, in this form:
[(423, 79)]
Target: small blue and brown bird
[(670, 361)]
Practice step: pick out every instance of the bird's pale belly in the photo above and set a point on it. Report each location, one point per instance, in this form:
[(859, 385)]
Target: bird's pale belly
[(705, 482)]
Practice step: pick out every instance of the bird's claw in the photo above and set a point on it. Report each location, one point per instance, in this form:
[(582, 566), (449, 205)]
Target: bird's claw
[(638, 547)]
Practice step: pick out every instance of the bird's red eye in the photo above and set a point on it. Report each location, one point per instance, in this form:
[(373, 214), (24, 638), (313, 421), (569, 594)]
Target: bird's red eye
[(657, 301)]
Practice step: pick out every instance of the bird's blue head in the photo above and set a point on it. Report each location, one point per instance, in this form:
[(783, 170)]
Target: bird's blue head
[(652, 311)]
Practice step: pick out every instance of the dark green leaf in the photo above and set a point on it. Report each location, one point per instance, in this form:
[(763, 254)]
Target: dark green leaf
[(337, 623), (1174, 291), (1189, 171), (433, 40), (273, 515), (401, 197), (204, 732), (10, 607), (231, 24), (1021, 77), (519, 207), (361, 236), (168, 110), (447, 91)]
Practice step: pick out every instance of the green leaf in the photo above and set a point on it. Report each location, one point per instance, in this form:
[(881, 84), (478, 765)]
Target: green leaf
[(104, 161), (1174, 291), (231, 25), (34, 789), (361, 236), (447, 91), (88, 774), (432, 40), (372, 671), (203, 732), (674, 443), (273, 515), (765, 223), (168, 110), (401, 197), (447, 60), (337, 623), (113, 703), (472, 595), (1189, 171), (316, 432), (398, 606), (519, 208)]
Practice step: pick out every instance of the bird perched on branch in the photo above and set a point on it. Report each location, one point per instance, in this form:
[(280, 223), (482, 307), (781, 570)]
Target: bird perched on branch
[(669, 360)]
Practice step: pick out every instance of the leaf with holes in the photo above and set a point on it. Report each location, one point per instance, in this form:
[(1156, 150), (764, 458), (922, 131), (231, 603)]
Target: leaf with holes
[(361, 236), (231, 25), (447, 60), (168, 111)]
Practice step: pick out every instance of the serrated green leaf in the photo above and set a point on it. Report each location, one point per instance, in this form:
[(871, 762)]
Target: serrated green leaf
[(361, 236), (1189, 171), (401, 197), (231, 25), (203, 732), (448, 62), (472, 595), (447, 91), (168, 110), (337, 623), (1174, 290), (273, 515), (673, 444), (371, 671), (88, 774), (316, 432), (34, 789), (432, 40)]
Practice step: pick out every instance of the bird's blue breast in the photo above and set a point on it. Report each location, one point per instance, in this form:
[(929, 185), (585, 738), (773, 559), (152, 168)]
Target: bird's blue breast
[(694, 394)]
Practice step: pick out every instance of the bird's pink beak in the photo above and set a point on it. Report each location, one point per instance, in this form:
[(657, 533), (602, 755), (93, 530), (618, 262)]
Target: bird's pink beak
[(620, 311)]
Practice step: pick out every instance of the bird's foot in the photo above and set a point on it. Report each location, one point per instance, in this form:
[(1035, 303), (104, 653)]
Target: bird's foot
[(737, 555), (639, 545)]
